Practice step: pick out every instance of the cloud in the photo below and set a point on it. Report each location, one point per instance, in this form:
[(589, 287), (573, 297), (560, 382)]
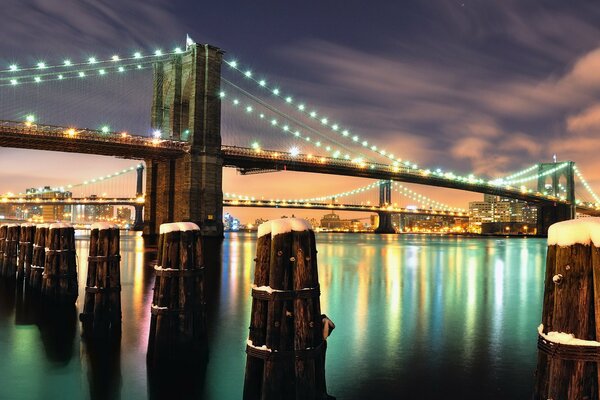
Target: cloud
[(587, 121)]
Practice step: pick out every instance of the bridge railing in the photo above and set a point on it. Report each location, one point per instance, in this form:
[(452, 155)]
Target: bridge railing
[(34, 129)]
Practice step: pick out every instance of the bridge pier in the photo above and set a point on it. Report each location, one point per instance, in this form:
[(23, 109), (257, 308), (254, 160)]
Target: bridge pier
[(187, 106), (385, 199), (385, 223), (551, 213)]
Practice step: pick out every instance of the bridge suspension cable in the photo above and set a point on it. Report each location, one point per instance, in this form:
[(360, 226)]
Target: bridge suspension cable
[(314, 115), (586, 185), (13, 76), (401, 189), (285, 127), (535, 176), (87, 182), (517, 174)]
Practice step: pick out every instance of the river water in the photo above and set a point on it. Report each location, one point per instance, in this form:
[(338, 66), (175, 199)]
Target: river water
[(418, 317)]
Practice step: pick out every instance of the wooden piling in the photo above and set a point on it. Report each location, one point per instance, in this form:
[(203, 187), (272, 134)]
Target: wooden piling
[(568, 338), (101, 316), (59, 282), (26, 240), (8, 266), (286, 344), (178, 320), (3, 232), (38, 258)]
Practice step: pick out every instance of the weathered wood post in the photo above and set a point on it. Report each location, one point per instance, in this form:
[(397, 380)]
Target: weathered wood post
[(38, 259), (287, 340), (26, 239), (3, 231), (101, 316), (178, 321), (8, 267), (569, 336), (59, 281)]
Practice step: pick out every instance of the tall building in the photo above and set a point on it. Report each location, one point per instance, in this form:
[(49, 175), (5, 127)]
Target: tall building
[(98, 212), (47, 212), (502, 212), (124, 214)]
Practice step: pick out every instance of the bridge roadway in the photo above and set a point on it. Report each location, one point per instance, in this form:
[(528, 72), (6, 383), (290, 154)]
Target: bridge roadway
[(56, 138), (236, 203)]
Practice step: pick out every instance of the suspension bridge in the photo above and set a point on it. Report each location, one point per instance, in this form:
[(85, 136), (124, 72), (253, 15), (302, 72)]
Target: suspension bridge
[(184, 153)]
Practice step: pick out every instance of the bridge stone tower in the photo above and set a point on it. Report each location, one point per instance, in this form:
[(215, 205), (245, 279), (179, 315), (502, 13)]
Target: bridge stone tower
[(385, 219), (550, 213), (186, 106)]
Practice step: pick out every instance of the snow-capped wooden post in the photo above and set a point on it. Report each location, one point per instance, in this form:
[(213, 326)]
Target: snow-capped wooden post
[(287, 339), (59, 280), (101, 316), (26, 239), (38, 259), (10, 249), (178, 321), (569, 336)]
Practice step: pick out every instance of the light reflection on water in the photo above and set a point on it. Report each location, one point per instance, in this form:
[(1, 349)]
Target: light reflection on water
[(416, 317)]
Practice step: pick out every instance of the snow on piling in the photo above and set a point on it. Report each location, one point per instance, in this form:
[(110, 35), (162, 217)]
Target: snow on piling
[(584, 231)]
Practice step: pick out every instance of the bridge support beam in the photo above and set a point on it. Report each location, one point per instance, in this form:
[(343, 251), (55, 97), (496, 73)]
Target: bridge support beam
[(549, 214), (187, 106), (385, 223)]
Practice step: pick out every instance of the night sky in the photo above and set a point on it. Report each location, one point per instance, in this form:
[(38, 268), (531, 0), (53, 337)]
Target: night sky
[(473, 86)]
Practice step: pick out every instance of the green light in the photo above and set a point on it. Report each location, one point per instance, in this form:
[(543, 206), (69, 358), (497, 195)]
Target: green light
[(262, 82), (301, 107), (248, 74), (30, 118), (37, 79), (158, 53), (121, 69), (82, 74), (92, 60), (60, 77), (255, 145), (221, 94), (178, 50), (137, 54), (288, 99), (115, 58), (233, 64), (14, 82), (276, 92), (13, 67), (67, 63), (139, 67), (41, 65), (105, 129), (102, 72), (249, 109), (236, 102)]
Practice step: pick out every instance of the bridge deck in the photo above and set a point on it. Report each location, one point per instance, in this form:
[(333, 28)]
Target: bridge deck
[(55, 138), (88, 141)]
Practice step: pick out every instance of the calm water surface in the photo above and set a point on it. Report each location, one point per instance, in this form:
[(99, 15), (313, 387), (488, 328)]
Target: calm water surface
[(416, 317)]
